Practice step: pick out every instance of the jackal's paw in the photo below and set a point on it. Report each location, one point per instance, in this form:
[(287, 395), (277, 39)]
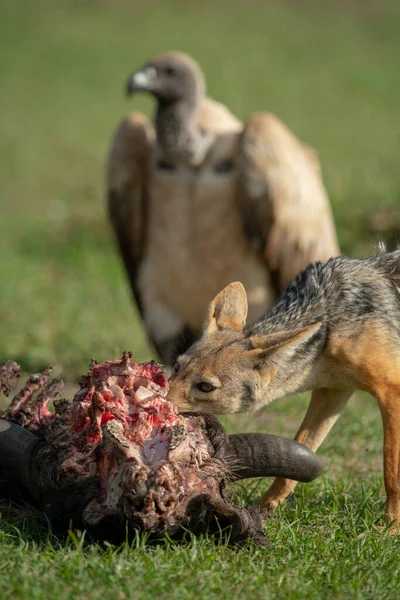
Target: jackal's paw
[(268, 505), (391, 528)]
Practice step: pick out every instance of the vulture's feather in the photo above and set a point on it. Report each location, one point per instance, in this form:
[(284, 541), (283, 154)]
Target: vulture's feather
[(197, 200)]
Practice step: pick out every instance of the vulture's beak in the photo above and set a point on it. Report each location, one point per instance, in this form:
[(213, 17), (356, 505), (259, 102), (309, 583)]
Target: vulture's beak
[(142, 80)]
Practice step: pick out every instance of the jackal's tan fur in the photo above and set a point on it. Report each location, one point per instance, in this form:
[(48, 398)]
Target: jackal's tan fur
[(336, 329)]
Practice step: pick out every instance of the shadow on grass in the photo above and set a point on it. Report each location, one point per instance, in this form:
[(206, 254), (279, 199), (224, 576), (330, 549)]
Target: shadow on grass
[(353, 506)]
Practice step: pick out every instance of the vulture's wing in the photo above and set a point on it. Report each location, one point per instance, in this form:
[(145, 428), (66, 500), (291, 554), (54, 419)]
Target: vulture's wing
[(284, 205), (217, 118), (127, 192)]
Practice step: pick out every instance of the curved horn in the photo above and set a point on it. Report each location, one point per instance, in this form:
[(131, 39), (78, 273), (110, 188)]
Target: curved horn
[(18, 449), (265, 455)]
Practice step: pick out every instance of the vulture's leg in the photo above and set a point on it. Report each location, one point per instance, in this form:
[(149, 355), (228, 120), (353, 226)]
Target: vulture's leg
[(170, 349), (167, 332)]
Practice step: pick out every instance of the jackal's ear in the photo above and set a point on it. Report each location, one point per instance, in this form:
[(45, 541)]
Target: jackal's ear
[(286, 342), (228, 310)]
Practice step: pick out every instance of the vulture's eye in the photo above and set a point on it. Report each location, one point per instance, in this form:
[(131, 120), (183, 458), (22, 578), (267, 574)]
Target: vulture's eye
[(206, 387), (171, 71)]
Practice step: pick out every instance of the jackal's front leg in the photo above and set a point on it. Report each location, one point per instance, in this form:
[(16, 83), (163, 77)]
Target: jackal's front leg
[(322, 413), (389, 405)]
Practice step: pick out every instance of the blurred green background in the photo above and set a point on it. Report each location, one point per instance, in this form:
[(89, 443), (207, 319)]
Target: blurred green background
[(328, 69)]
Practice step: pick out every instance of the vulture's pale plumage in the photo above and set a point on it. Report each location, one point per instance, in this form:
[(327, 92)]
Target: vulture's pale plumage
[(198, 199)]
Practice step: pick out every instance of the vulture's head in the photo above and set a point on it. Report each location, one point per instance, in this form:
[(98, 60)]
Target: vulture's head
[(169, 77)]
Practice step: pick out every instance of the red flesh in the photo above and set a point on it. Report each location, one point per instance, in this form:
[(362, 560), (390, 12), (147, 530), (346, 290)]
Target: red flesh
[(119, 427), (120, 450)]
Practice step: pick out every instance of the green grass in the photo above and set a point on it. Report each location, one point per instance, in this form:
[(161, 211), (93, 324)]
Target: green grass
[(325, 548), (330, 71)]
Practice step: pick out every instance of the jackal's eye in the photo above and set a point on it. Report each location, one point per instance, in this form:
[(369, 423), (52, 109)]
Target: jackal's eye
[(206, 387), (177, 366)]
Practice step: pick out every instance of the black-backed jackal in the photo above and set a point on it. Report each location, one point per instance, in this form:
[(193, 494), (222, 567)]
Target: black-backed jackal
[(335, 329)]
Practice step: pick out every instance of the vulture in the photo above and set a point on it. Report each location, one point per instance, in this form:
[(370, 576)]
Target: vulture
[(198, 199)]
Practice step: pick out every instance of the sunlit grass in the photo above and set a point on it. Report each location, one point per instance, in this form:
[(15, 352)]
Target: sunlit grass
[(330, 71)]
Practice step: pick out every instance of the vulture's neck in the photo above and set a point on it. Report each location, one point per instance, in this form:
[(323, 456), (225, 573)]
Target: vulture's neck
[(179, 133)]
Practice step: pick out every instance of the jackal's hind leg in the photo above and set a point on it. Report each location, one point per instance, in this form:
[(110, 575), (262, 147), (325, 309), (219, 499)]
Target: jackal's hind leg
[(389, 404), (323, 411)]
